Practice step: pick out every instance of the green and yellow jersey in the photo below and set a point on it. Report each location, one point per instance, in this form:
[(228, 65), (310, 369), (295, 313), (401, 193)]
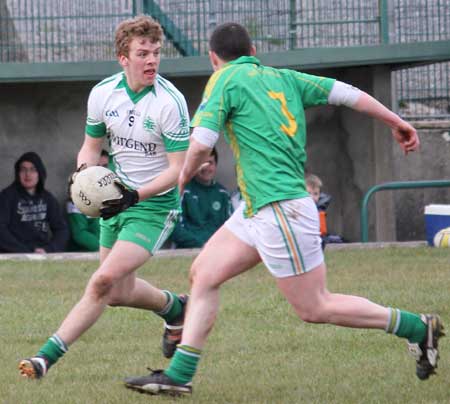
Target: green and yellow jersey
[(261, 111)]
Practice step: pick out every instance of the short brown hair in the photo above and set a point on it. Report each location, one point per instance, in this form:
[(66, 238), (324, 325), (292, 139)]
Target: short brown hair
[(313, 181), (140, 26)]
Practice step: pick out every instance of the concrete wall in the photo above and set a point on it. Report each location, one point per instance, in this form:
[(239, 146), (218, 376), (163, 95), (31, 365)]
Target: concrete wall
[(431, 163), (350, 152)]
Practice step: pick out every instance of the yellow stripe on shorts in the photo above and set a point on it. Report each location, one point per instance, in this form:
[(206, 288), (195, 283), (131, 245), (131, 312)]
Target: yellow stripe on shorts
[(289, 238)]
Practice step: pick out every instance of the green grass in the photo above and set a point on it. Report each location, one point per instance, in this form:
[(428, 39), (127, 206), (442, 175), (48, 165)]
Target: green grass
[(259, 352)]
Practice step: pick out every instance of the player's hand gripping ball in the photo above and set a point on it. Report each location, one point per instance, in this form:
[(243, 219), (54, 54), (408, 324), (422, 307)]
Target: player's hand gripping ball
[(112, 206), (91, 187)]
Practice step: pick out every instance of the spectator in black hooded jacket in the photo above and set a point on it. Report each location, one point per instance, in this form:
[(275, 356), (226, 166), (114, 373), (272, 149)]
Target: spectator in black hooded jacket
[(31, 219)]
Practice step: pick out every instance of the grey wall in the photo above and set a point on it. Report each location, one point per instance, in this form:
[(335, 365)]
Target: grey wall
[(350, 152), (431, 163), (47, 118)]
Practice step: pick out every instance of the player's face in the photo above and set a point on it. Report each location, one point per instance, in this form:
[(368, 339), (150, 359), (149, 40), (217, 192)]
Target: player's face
[(207, 173), (142, 63), (28, 176), (314, 192)]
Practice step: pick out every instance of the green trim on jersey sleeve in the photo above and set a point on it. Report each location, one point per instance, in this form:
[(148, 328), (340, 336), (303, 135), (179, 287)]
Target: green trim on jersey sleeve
[(178, 143), (95, 130)]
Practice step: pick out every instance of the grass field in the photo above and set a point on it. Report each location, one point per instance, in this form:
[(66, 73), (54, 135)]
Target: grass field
[(259, 352)]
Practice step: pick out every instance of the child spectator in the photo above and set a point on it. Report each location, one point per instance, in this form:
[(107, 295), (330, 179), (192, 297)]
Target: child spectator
[(314, 186)]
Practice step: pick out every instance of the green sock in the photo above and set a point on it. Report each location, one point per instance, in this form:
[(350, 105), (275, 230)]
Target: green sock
[(183, 364), (172, 309), (53, 349), (406, 325)]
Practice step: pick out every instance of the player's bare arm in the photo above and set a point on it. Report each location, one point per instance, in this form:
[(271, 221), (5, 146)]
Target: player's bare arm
[(196, 155), (405, 134), (167, 179), (352, 97), (90, 151)]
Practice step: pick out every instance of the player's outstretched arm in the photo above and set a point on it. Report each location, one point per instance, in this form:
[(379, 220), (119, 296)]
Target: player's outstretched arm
[(167, 179), (129, 197), (405, 134)]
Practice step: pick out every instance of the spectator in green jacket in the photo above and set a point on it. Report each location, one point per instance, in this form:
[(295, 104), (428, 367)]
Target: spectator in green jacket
[(206, 205), (84, 230)]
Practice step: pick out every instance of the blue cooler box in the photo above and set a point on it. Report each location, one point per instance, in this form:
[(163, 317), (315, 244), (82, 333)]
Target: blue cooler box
[(437, 217)]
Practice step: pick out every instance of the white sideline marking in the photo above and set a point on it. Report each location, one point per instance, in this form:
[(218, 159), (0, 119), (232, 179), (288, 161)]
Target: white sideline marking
[(169, 253)]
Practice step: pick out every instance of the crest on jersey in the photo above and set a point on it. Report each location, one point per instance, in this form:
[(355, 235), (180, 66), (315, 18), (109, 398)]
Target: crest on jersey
[(183, 121), (149, 124), (203, 104)]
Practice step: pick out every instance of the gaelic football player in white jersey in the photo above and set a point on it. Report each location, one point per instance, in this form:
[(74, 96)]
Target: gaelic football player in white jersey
[(146, 121)]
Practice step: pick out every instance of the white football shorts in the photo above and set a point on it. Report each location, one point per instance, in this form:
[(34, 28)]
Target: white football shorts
[(286, 235)]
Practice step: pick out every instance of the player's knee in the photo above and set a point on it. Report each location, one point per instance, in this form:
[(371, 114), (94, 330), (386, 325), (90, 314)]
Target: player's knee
[(309, 317), (115, 299), (199, 276), (192, 272), (101, 285), (312, 314), (195, 273)]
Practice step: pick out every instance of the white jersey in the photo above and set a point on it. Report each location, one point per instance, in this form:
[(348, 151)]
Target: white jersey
[(141, 127)]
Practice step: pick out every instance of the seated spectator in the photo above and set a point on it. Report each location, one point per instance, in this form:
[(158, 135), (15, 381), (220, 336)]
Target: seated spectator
[(206, 206), (84, 230), (31, 219), (314, 187)]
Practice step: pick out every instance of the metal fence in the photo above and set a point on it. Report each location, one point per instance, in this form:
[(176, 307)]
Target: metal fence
[(34, 31), (420, 20), (423, 93), (277, 25), (82, 30)]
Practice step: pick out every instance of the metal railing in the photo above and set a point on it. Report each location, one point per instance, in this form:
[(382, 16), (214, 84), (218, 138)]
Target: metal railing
[(392, 186), (36, 31), (82, 30), (277, 25), (423, 92)]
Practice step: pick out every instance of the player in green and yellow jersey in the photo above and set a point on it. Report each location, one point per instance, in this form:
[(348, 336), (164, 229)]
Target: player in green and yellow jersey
[(261, 111)]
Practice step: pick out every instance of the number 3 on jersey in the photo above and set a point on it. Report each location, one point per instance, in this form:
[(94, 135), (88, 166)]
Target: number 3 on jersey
[(290, 130)]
